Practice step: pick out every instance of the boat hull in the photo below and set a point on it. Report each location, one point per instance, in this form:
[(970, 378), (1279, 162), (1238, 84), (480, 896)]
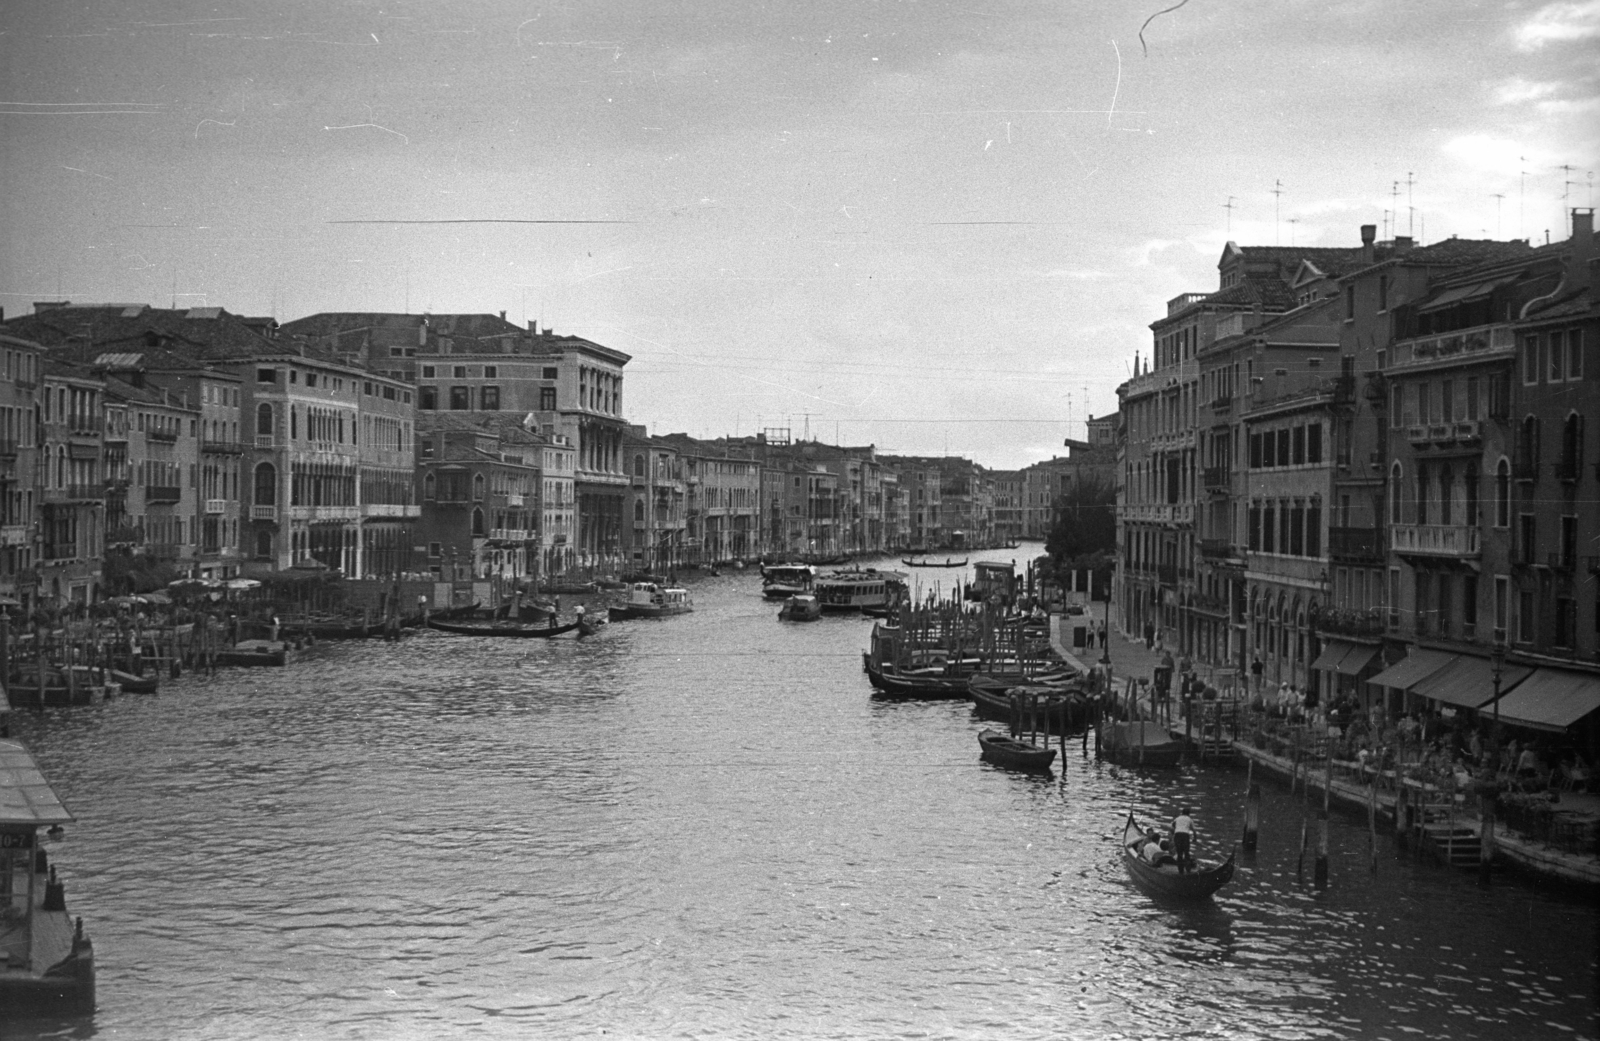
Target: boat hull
[(1166, 882), (508, 631), (1063, 710), (1003, 750), (1140, 744)]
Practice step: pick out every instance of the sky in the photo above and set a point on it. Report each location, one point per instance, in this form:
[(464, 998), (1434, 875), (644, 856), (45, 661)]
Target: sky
[(936, 227)]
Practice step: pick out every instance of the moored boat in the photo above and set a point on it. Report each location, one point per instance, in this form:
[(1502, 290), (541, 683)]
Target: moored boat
[(1164, 879), (1140, 743), (802, 607), (255, 653), (46, 962), (132, 684), (1005, 750), (651, 600), (512, 631), (947, 562), (1062, 706)]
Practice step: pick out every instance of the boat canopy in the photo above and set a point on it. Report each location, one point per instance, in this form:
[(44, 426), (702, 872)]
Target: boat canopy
[(26, 799)]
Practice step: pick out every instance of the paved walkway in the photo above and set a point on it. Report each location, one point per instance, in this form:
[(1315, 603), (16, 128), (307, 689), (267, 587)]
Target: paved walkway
[(1129, 658)]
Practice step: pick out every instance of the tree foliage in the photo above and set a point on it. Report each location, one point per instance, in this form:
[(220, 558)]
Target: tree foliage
[(1083, 533)]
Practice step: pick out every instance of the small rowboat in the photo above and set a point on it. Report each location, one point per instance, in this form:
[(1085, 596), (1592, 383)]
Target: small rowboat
[(947, 562), (1004, 750), (132, 684), (802, 607), (1163, 880), (517, 631)]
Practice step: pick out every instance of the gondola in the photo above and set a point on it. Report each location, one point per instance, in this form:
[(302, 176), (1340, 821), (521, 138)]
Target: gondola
[(132, 684), (934, 563), (1164, 880), (1004, 750), (1140, 743), (1063, 709), (519, 631)]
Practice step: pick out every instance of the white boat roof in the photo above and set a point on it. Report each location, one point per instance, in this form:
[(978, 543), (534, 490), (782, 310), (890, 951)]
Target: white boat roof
[(25, 797)]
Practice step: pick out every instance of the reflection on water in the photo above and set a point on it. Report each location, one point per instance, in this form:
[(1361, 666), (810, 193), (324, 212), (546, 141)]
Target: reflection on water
[(706, 826)]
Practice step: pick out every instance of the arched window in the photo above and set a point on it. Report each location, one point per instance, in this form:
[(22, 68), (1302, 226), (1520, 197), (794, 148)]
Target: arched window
[(477, 522), (1395, 486), (428, 486), (266, 485), (1422, 494), (638, 511), (61, 466), (1447, 491), (294, 423), (1502, 494), (638, 466), (477, 486), (1571, 446), (1528, 447), (264, 419), (264, 543)]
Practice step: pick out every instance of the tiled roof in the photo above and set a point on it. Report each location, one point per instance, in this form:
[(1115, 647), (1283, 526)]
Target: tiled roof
[(211, 334)]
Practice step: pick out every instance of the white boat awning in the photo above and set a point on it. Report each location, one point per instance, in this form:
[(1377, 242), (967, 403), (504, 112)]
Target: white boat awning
[(25, 798), (1551, 699)]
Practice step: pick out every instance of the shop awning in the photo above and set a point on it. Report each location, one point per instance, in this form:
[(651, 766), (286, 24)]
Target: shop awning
[(1461, 294), (1413, 668), (1551, 699), (1469, 682), (1344, 657)]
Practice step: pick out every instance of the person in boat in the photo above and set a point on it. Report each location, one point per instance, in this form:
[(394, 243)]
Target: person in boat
[(1154, 851), (1182, 833)]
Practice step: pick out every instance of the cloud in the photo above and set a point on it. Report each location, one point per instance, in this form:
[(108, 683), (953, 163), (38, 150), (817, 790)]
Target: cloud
[(1494, 154), (1516, 90), (1559, 23)]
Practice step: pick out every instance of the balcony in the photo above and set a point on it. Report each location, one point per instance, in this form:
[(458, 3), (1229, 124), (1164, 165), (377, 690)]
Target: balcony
[(1461, 346), (325, 513), (8, 449), (76, 493), (1435, 540), (1218, 478), (390, 509), (1344, 390), (158, 493), (168, 436), (513, 499), (509, 534), (265, 441), (163, 550), (1167, 574), (1356, 545), (1222, 403), (1368, 623), (1217, 549), (86, 425), (14, 535), (221, 446), (264, 513), (216, 506)]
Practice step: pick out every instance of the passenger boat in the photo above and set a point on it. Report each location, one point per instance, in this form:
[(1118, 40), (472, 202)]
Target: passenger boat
[(802, 607), (785, 580), (948, 562), (650, 600), (514, 631), (853, 589), (1164, 880), (1140, 743), (1005, 750), (46, 963), (993, 580)]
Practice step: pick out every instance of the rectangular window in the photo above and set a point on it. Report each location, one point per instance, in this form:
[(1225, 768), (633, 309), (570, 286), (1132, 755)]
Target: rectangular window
[(1502, 605), (266, 375), (1530, 359), (549, 372), (1297, 531), (1314, 443), (1314, 531), (311, 379), (459, 372), (1469, 600), (427, 372), (490, 397), (1299, 435), (1474, 407), (460, 399), (491, 372), (1255, 529), (1569, 541), (1525, 617), (1424, 404), (1575, 354), (1422, 599), (1283, 447), (294, 375), (1349, 303), (1557, 354), (1255, 451), (547, 399), (1527, 542), (388, 393), (1565, 617), (428, 398), (1383, 292)]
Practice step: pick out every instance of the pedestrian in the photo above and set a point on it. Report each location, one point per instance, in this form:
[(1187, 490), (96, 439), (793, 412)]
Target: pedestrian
[(1149, 636), (1256, 669), (1101, 628), (1182, 830)]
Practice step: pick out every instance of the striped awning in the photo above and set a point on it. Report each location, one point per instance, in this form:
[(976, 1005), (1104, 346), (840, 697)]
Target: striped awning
[(1344, 657), (1469, 682), (1413, 668), (25, 797), (1551, 699)]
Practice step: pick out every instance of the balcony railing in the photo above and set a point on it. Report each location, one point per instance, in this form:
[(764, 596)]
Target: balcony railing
[(1167, 574), (1222, 402), (159, 434), (1356, 544), (8, 449), (76, 493), (1435, 540), (265, 441), (212, 444), (264, 513), (162, 493), (1352, 622), (14, 535), (83, 424), (1217, 478), (1465, 344), (216, 505), (1217, 549)]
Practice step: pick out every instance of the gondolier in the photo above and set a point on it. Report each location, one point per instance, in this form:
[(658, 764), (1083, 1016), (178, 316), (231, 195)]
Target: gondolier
[(1182, 833)]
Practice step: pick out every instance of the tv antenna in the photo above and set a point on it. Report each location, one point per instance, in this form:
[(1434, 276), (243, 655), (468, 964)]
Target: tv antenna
[(1277, 198), (1229, 207), (1499, 197), (1411, 211)]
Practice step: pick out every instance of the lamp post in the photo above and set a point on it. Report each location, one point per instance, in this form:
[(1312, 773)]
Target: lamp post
[(1497, 662)]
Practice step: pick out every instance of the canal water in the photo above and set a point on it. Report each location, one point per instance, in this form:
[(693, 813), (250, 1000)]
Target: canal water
[(706, 827)]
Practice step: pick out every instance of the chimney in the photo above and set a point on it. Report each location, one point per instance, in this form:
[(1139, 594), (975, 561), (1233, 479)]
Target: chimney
[(1581, 254), (502, 316), (1369, 235), (1402, 244)]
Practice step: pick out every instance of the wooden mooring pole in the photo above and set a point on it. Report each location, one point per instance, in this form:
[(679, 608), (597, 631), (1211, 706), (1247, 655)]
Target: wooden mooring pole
[(1486, 840), (1252, 808)]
